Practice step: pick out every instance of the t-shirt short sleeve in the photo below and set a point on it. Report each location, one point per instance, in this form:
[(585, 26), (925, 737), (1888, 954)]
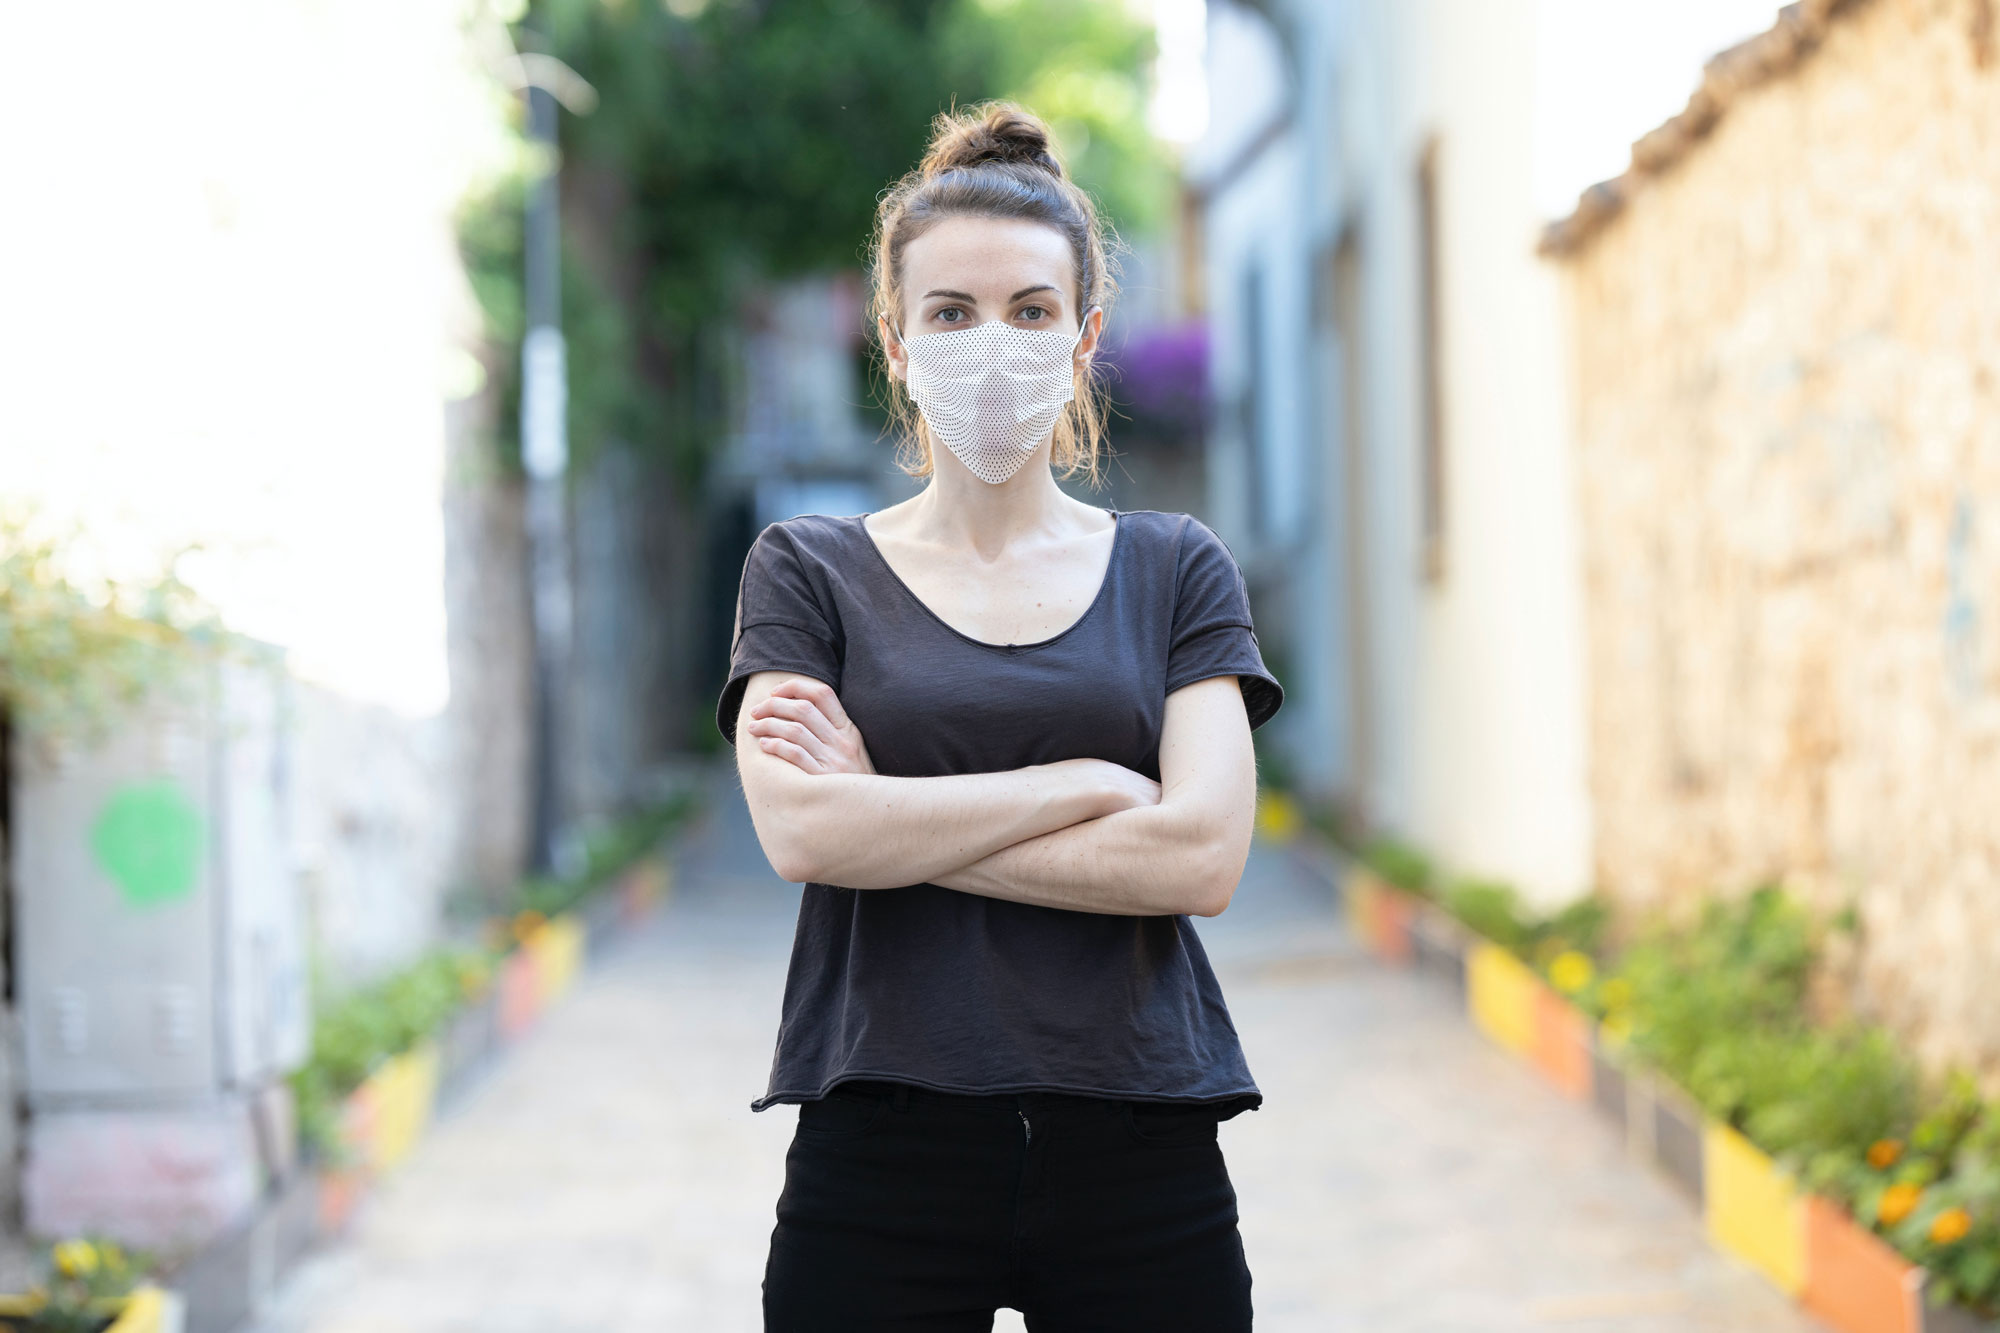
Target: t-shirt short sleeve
[(780, 624), (1212, 634)]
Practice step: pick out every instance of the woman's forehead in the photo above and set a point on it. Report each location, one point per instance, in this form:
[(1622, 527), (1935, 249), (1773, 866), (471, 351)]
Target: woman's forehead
[(988, 258)]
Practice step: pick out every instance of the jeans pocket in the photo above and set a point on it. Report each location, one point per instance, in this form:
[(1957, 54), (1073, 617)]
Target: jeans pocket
[(1159, 1124), (841, 1114)]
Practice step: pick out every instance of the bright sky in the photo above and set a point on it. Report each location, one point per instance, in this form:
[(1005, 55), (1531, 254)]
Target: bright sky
[(1607, 71), (1610, 70), (229, 283)]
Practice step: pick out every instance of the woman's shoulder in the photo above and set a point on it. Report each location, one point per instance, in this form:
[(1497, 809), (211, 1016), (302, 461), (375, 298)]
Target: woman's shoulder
[(1175, 535), (820, 538)]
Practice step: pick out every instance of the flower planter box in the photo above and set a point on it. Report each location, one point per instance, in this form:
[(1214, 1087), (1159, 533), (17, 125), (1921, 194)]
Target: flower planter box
[(338, 1191), (1956, 1319), (1360, 895), (645, 887), (144, 1311), (1500, 994), (1562, 1049), (1610, 1092), (1752, 1208), (1676, 1143), (556, 948), (519, 992), (1853, 1279), (405, 1092), (1438, 943), (1394, 911)]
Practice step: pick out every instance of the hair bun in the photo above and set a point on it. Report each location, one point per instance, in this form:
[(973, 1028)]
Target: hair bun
[(993, 132)]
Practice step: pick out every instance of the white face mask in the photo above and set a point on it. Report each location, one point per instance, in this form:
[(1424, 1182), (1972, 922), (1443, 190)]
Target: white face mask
[(992, 393)]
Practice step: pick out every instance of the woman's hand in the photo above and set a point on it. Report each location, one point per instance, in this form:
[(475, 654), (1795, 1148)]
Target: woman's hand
[(803, 723)]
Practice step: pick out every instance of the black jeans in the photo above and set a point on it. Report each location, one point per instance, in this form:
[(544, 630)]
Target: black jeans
[(911, 1211)]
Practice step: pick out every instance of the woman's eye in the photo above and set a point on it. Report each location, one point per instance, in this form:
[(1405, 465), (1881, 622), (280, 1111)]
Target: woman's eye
[(1034, 312), (951, 314)]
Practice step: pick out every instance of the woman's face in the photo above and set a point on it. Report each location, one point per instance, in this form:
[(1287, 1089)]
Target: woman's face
[(965, 271)]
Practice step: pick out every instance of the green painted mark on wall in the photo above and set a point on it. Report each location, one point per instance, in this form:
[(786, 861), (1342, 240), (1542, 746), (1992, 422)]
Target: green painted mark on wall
[(149, 838)]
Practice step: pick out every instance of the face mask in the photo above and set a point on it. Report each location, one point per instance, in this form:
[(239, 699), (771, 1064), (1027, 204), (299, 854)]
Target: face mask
[(992, 393)]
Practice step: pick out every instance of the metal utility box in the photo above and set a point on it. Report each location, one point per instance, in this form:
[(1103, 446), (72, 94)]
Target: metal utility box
[(158, 933)]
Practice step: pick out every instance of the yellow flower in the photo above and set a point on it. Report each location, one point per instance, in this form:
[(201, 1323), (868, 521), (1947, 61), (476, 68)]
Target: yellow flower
[(1278, 816), (1616, 992), (1951, 1225), (1571, 971), (526, 923), (1617, 1027), (1884, 1153), (75, 1258), (1898, 1202)]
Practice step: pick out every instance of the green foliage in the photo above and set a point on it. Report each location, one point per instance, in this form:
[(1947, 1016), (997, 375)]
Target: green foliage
[(1494, 910), (75, 653), (1399, 863), (1807, 1097), (86, 1280), (355, 1033), (734, 143)]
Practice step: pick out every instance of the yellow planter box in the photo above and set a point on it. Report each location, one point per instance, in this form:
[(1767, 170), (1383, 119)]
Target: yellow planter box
[(1361, 898), (1753, 1209), (144, 1312), (1500, 993), (405, 1092), (557, 948)]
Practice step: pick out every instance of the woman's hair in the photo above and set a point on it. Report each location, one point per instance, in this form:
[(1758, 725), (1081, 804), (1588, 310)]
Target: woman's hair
[(994, 161)]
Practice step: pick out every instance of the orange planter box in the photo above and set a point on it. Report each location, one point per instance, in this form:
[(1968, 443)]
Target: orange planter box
[(1854, 1280), (1394, 910), (520, 992), (1562, 1044)]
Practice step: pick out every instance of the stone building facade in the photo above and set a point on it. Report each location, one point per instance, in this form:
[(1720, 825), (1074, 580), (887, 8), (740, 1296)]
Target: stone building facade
[(1787, 360)]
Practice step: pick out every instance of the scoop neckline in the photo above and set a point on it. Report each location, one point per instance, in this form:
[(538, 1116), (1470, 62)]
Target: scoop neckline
[(1104, 584)]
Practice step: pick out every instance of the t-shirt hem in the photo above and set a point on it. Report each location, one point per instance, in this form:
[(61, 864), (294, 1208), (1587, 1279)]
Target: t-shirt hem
[(780, 1095)]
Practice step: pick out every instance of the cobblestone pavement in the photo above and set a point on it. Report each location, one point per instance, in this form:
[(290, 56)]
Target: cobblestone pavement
[(607, 1175)]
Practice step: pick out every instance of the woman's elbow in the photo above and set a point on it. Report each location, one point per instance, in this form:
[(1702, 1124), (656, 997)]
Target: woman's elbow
[(1219, 869)]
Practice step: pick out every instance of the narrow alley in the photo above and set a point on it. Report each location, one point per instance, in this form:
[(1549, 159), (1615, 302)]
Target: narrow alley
[(1382, 1185)]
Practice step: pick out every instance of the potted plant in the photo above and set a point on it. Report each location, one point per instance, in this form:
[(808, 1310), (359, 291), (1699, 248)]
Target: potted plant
[(91, 1286)]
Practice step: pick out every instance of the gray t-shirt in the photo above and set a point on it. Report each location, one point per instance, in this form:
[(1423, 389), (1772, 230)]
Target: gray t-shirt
[(956, 991)]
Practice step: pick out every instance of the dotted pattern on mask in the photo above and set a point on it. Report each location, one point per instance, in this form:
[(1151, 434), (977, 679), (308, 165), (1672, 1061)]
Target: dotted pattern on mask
[(992, 393)]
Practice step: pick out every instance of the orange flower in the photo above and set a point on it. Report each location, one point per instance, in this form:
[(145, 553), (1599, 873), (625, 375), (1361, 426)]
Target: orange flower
[(1884, 1153), (1898, 1202), (1951, 1225), (526, 923)]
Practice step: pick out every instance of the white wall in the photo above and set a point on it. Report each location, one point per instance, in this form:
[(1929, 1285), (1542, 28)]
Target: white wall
[(1473, 683), (234, 316)]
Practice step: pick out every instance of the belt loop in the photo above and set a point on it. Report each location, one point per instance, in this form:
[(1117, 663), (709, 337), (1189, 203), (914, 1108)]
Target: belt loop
[(900, 1099)]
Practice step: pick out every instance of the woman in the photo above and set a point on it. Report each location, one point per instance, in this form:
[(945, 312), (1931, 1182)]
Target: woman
[(1003, 737)]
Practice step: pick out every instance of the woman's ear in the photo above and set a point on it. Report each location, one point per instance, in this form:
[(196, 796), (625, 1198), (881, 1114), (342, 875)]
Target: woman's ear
[(892, 349), (1089, 336)]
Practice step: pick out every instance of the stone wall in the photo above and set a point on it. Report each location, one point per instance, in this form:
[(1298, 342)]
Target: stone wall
[(1788, 379)]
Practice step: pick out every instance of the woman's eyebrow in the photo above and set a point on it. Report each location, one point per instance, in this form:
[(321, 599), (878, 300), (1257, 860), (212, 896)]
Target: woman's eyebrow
[(956, 296), (1039, 287)]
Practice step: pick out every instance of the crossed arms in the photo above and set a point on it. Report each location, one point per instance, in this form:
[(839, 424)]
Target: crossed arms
[(1083, 834)]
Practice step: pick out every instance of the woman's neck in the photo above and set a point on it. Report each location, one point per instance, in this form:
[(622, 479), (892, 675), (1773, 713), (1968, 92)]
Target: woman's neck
[(960, 509)]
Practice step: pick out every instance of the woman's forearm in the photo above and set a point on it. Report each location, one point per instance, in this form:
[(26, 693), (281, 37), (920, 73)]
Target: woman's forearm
[(867, 831), (1153, 861)]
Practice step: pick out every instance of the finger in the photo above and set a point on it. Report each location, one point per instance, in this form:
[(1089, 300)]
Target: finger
[(819, 693), (802, 711), (788, 752), (779, 729)]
